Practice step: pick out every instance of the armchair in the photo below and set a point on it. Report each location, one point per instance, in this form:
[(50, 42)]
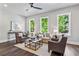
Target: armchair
[(18, 37), (58, 47)]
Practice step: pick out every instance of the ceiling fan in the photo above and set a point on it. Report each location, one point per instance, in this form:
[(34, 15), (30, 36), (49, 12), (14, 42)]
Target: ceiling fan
[(32, 6)]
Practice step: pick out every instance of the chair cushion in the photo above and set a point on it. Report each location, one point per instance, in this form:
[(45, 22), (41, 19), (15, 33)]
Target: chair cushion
[(54, 39)]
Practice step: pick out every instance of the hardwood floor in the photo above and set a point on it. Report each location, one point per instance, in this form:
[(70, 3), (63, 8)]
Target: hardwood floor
[(7, 49), (72, 50)]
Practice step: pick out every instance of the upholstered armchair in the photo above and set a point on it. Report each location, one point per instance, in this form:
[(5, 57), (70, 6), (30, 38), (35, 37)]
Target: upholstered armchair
[(18, 37), (57, 46)]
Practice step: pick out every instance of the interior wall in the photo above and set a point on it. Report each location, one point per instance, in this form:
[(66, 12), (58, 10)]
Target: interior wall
[(52, 15), (5, 19), (20, 21)]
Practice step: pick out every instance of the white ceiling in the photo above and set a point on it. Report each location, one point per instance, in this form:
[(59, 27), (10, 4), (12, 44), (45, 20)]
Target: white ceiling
[(20, 8)]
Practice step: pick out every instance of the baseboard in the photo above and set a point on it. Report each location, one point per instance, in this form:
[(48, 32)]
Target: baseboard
[(1, 41), (72, 42)]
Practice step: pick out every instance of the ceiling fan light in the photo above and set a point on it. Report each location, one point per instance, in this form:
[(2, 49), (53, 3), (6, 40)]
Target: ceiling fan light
[(5, 5)]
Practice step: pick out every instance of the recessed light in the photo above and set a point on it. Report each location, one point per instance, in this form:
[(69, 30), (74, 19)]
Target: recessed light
[(5, 5)]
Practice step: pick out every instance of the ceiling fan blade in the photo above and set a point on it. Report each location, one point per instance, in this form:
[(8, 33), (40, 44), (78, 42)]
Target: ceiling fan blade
[(31, 4), (37, 8)]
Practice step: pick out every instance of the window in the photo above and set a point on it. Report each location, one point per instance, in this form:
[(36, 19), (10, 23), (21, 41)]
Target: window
[(31, 25), (64, 23), (44, 24)]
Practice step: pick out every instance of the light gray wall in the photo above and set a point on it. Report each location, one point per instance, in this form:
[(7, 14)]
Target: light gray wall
[(5, 18), (4, 26), (20, 21), (52, 15)]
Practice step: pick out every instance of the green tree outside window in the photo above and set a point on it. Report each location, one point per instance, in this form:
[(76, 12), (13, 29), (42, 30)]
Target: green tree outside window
[(44, 25), (63, 24), (32, 25)]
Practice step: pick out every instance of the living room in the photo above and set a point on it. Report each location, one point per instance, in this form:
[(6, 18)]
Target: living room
[(31, 29)]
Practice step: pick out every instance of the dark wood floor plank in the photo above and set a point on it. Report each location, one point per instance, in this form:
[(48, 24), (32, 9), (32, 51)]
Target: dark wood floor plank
[(8, 49)]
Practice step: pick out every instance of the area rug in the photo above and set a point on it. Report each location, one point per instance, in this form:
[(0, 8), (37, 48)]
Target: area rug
[(42, 51)]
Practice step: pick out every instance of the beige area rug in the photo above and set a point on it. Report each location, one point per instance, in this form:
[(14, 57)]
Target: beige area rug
[(42, 51)]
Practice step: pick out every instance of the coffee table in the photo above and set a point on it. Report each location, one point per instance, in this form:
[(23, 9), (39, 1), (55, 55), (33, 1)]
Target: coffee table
[(34, 44)]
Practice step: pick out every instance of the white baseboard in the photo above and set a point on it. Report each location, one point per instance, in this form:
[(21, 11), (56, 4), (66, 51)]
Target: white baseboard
[(1, 41), (72, 42)]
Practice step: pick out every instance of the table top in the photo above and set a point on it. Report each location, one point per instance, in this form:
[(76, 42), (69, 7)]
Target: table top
[(37, 40)]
